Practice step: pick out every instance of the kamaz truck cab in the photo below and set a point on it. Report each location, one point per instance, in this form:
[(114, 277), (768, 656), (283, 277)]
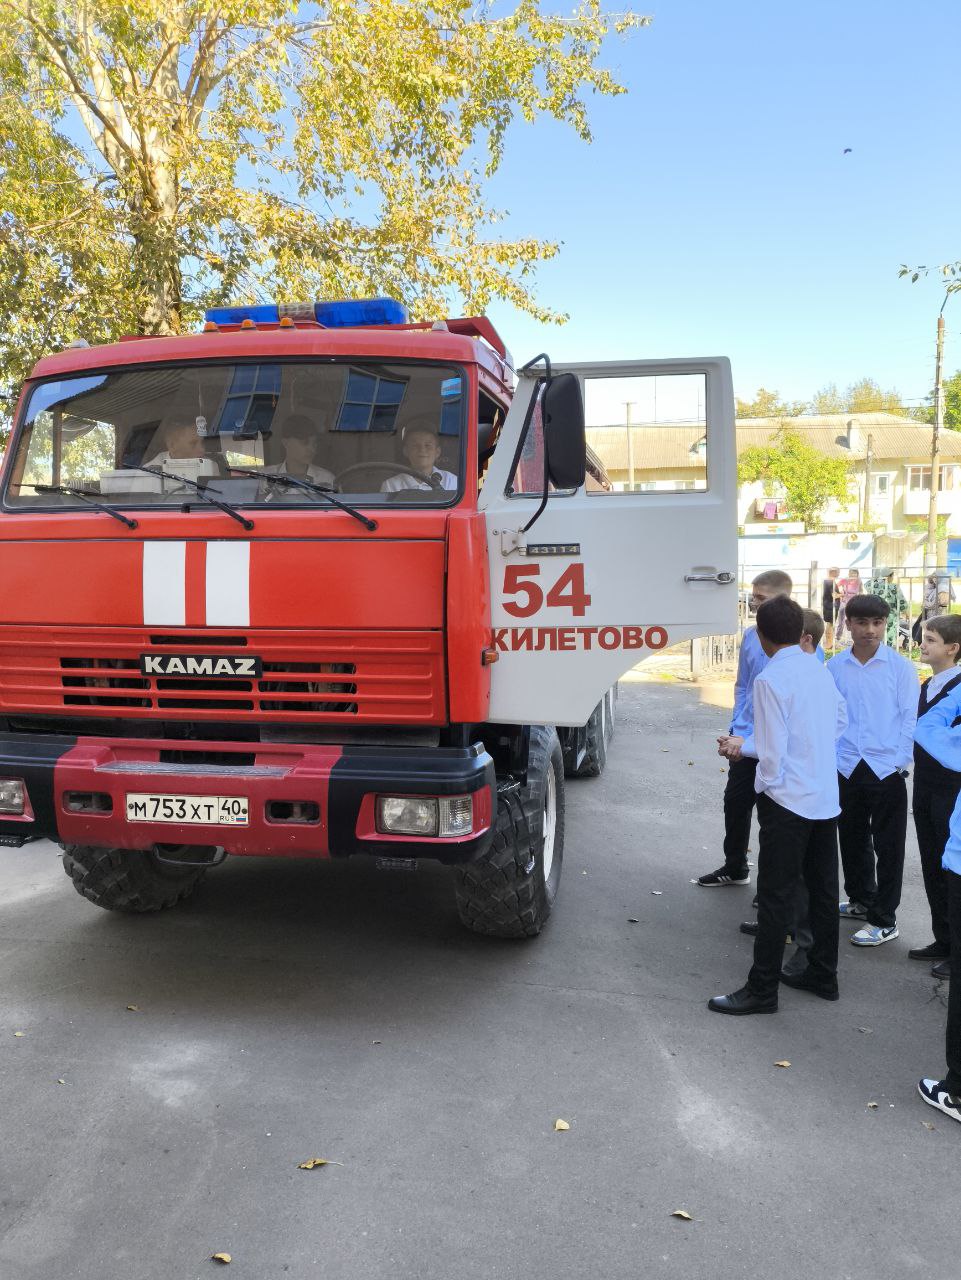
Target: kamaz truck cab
[(319, 582)]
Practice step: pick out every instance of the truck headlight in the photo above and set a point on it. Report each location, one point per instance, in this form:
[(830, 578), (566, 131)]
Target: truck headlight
[(12, 795), (407, 815), (425, 815), (456, 815)]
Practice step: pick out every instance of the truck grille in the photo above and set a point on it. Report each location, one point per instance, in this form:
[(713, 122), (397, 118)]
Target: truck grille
[(394, 677)]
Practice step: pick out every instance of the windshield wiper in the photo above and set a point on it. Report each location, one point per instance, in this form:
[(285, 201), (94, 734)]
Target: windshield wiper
[(88, 497), (224, 506), (312, 488)]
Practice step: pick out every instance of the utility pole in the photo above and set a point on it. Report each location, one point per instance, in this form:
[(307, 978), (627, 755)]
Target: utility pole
[(931, 548), (629, 405), (868, 461)]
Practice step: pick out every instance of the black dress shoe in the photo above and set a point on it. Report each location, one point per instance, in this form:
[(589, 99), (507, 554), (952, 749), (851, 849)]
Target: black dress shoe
[(933, 951), (743, 1001), (941, 970), (749, 927), (806, 981)]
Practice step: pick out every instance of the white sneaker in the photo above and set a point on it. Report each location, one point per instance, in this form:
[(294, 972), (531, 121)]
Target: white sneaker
[(935, 1095), (872, 935)]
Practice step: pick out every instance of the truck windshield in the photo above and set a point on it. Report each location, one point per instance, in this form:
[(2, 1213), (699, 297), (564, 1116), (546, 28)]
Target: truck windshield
[(377, 432)]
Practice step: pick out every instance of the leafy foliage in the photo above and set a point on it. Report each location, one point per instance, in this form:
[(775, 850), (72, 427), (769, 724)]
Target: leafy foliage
[(768, 404), (808, 479), (239, 148), (952, 404)]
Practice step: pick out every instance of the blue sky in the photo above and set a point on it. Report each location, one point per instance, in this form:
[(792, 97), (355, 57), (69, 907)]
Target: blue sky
[(716, 214)]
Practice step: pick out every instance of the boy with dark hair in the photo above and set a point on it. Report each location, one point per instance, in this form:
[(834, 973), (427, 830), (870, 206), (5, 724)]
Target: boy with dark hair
[(941, 740), (936, 788), (880, 690), (739, 794), (734, 748), (798, 715)]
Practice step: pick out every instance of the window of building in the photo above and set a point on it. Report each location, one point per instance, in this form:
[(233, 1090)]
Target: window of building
[(881, 484), (370, 402), (919, 477)]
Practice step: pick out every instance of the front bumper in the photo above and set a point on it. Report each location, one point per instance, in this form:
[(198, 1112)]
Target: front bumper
[(77, 788)]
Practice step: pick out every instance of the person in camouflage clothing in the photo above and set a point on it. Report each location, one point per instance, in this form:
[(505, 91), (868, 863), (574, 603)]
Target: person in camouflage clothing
[(885, 588)]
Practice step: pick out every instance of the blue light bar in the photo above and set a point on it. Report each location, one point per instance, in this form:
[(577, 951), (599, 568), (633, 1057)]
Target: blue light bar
[(346, 314)]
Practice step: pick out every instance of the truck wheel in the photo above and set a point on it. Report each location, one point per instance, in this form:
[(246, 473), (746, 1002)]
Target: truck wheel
[(127, 879), (598, 736), (509, 892)]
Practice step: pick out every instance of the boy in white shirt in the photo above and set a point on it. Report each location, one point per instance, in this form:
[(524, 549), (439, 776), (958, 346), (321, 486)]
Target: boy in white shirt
[(880, 691), (421, 451), (798, 715)]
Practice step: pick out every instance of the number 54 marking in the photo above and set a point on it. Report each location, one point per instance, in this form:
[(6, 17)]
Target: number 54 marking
[(567, 592)]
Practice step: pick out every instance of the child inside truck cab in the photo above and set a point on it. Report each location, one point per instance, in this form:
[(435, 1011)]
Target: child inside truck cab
[(421, 450)]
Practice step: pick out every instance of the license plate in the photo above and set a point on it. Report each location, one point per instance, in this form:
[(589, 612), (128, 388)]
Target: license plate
[(207, 811)]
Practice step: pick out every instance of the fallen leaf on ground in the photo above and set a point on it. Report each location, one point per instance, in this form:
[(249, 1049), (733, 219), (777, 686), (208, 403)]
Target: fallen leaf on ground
[(681, 1213), (633, 920), (658, 893), (868, 1031), (61, 1082), (18, 1034), (783, 1063), (134, 1008), (315, 1163), (560, 1126), (927, 1124), (221, 1257), (376, 1042), (872, 1106)]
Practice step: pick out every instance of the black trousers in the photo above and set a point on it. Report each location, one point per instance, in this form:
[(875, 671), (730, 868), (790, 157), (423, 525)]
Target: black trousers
[(792, 848), (873, 825), (953, 1034), (932, 814), (739, 801)]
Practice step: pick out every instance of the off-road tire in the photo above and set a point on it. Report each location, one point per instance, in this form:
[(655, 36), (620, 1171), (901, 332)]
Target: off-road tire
[(600, 730), (134, 880), (505, 893)]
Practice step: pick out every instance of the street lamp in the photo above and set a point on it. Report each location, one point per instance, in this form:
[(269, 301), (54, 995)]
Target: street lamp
[(931, 546)]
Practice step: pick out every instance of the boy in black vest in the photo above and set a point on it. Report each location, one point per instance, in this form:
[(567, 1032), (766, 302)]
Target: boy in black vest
[(935, 787)]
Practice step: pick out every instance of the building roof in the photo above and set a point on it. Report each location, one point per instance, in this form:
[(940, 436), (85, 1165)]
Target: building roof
[(672, 445)]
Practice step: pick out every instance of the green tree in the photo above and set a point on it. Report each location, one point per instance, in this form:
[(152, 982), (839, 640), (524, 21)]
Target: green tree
[(163, 156), (866, 396), (952, 404), (828, 400), (808, 479), (767, 404)]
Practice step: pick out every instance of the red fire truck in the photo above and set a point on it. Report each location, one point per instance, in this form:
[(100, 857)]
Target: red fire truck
[(318, 582)]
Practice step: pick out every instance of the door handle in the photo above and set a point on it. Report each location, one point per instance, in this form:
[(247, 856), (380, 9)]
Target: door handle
[(725, 577)]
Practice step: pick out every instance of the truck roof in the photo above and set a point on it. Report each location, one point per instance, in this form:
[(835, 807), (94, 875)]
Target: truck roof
[(389, 342)]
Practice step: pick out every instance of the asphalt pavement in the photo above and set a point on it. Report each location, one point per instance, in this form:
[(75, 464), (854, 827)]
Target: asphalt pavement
[(172, 1071)]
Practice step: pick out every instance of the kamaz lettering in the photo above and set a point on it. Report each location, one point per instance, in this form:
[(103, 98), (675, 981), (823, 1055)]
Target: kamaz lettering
[(208, 664)]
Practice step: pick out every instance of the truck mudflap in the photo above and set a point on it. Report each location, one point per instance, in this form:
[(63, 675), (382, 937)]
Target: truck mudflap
[(247, 798)]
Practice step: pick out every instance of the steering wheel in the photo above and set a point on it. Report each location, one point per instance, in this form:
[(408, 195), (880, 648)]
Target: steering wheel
[(393, 468)]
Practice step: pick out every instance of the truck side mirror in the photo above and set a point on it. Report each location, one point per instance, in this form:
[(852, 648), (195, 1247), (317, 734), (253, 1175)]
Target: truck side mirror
[(562, 411)]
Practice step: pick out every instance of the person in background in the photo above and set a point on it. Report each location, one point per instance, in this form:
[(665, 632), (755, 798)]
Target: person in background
[(739, 793), (885, 588), (298, 435), (936, 788), (830, 599), (880, 690), (181, 440), (848, 588), (798, 715), (422, 451)]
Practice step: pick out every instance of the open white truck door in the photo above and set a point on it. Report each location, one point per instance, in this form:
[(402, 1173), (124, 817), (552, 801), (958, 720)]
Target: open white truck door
[(644, 555)]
